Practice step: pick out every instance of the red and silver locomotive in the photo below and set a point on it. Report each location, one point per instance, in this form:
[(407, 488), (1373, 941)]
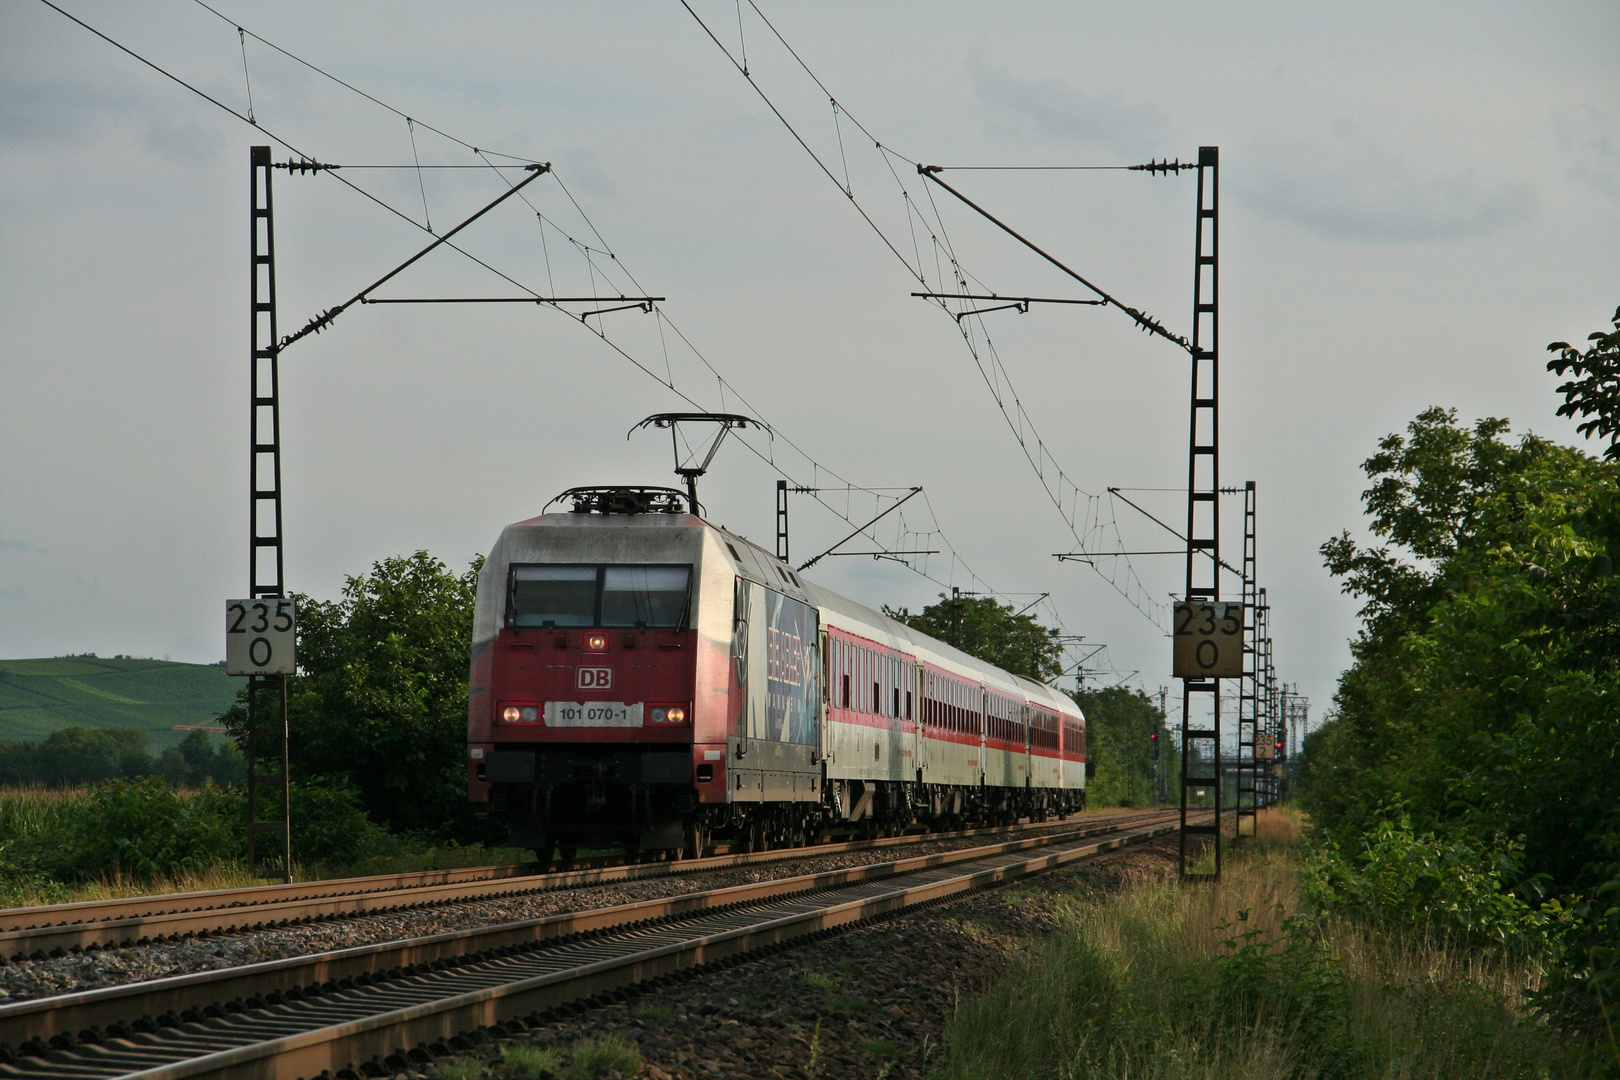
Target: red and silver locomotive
[(643, 678)]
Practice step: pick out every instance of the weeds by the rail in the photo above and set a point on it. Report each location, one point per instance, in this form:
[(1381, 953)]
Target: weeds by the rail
[(525, 1062), (457, 1068), (1165, 981), (591, 1056)]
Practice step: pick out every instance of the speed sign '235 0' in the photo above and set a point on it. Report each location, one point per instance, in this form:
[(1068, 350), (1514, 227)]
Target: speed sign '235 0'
[(1208, 640), (259, 637)]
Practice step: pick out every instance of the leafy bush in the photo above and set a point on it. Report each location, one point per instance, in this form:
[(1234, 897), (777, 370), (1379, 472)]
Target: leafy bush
[(330, 826), (144, 828), (147, 828), (1455, 884)]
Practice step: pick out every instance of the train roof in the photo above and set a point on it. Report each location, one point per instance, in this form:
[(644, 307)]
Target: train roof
[(844, 613), (858, 618)]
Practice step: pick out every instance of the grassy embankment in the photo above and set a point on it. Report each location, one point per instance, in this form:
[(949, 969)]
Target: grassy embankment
[(60, 845), (1164, 982)]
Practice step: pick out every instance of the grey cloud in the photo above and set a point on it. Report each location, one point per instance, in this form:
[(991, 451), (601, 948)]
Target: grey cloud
[(582, 170), (1347, 187), (8, 543), (1052, 110), (1585, 135), (1352, 187), (190, 144)]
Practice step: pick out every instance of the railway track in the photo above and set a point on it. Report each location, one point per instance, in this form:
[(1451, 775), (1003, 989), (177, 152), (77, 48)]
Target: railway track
[(57, 930), (373, 1010)]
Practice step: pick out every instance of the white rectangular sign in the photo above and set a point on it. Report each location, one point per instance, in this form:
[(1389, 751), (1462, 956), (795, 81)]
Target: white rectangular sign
[(593, 714), (260, 637)]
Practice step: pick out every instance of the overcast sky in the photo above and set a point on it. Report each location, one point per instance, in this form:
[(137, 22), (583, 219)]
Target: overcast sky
[(1417, 198)]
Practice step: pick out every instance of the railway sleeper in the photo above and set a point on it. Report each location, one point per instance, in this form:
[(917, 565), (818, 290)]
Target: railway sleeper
[(67, 1040)]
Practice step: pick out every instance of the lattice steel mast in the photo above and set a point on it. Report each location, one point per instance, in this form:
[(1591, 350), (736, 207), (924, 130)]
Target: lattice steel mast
[(265, 564), (1203, 580)]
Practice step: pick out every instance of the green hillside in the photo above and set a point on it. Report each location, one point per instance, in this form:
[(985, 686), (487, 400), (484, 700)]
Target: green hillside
[(39, 696)]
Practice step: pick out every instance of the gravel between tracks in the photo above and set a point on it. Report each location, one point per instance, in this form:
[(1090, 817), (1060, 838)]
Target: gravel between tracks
[(871, 1003), (69, 974)]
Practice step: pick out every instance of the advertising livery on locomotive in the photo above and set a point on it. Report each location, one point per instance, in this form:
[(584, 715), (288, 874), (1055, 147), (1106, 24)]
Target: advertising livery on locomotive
[(643, 678)]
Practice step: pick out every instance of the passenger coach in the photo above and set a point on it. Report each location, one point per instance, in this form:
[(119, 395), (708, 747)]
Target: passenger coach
[(643, 678)]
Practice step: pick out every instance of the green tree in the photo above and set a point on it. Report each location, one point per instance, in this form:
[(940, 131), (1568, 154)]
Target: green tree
[(1480, 697), (380, 699), (1594, 392), (82, 755), (994, 632), (1119, 724), (199, 759)]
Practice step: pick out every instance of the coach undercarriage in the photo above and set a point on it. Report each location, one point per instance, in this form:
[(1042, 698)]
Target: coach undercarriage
[(563, 799)]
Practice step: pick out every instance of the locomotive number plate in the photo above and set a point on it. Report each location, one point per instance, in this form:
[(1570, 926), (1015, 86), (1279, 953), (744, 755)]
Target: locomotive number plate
[(592, 714)]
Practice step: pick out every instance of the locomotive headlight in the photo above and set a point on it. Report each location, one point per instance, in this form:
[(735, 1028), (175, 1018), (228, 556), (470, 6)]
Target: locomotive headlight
[(511, 714), (659, 715), (677, 715), (596, 642)]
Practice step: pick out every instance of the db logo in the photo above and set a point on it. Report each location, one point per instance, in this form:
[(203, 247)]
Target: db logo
[(595, 678)]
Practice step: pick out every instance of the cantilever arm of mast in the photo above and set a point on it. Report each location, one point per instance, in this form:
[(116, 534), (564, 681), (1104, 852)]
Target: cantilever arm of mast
[(1142, 319), (634, 301), (860, 530), (324, 319), (1115, 492), (1021, 303)]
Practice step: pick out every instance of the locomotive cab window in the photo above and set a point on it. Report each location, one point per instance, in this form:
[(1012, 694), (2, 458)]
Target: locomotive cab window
[(639, 596), (652, 596), (552, 596)]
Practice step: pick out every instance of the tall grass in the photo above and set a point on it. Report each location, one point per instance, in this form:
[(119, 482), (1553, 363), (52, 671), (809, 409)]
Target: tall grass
[(1235, 980), (123, 838)]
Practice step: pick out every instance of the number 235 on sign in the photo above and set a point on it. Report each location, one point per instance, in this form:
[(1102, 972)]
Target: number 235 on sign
[(259, 637), (1208, 638)]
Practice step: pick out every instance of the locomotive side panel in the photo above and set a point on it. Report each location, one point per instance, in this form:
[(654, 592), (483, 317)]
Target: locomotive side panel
[(774, 736)]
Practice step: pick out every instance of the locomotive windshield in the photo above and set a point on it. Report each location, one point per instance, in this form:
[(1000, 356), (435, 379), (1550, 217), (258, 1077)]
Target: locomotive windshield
[(628, 596), (644, 595)]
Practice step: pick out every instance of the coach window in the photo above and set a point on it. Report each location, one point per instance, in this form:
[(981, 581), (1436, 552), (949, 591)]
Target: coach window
[(908, 704)]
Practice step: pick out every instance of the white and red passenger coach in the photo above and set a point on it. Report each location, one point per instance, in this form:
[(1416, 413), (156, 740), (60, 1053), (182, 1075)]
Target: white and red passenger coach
[(643, 678)]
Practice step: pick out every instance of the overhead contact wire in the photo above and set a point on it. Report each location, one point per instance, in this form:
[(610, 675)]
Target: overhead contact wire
[(769, 460)]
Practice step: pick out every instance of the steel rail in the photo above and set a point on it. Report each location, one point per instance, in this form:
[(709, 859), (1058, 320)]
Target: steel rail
[(543, 965), (58, 930), (46, 1018)]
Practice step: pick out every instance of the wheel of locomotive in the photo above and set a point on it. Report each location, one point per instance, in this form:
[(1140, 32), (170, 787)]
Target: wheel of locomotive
[(566, 854), (696, 839), (542, 855)]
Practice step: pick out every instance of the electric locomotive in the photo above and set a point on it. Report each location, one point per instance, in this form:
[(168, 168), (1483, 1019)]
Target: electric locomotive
[(645, 679)]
